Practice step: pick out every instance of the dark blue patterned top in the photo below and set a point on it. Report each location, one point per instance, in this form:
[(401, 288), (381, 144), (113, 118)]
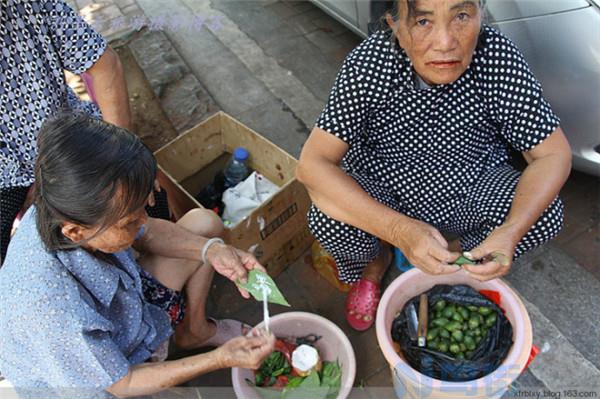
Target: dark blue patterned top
[(39, 39)]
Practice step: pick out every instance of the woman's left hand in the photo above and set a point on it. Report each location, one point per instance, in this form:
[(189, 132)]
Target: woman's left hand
[(496, 252), (233, 264)]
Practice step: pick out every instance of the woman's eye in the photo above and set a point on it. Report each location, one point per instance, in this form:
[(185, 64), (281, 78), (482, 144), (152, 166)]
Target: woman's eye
[(422, 22), (463, 16)]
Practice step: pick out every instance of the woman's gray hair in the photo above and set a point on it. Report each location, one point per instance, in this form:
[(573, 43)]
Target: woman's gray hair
[(412, 4), (394, 12), (88, 172)]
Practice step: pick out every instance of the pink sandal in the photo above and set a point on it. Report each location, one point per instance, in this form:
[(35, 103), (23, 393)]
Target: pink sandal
[(227, 329), (361, 304)]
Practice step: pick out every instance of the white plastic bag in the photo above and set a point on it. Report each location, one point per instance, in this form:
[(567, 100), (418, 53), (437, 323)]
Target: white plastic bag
[(242, 199)]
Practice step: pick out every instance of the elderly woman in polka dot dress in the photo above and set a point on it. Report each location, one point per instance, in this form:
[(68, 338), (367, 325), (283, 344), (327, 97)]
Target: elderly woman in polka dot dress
[(414, 141)]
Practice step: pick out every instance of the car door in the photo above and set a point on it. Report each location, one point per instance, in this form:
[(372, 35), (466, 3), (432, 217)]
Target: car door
[(559, 41), (342, 10)]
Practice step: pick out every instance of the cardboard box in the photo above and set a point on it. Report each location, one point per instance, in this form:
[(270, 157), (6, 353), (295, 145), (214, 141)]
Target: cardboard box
[(277, 231)]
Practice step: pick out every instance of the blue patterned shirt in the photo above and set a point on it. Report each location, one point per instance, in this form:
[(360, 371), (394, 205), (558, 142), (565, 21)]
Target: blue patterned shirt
[(39, 39), (70, 320)]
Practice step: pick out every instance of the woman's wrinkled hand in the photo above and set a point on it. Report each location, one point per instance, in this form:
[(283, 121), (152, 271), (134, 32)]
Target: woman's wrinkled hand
[(425, 248), (245, 352), (233, 263), (496, 252)]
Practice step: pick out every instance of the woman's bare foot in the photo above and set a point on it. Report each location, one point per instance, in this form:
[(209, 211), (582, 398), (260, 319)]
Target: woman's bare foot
[(216, 334), (188, 338)]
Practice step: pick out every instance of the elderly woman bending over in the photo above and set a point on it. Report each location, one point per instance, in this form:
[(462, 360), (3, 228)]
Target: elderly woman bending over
[(79, 309), (414, 140)]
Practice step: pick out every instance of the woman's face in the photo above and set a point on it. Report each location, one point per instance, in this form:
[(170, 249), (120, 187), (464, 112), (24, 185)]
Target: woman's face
[(115, 238), (120, 235), (440, 37)]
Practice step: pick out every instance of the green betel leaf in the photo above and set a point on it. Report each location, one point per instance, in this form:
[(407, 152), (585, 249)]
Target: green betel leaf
[(332, 378), (311, 381), (294, 382), (268, 393), (463, 261), (332, 374), (309, 388), (258, 283)]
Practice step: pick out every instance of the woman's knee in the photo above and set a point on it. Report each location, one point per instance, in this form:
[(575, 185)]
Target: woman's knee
[(551, 222), (546, 228), (202, 222), (337, 237), (322, 226)]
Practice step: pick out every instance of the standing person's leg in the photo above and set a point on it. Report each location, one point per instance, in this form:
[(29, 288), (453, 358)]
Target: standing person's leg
[(361, 258), (489, 204), (178, 202), (160, 210), (11, 202)]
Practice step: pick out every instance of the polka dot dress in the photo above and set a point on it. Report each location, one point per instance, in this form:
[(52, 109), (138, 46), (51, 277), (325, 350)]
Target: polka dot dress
[(436, 154)]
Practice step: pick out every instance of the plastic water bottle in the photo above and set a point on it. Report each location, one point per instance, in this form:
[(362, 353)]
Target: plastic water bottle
[(237, 170)]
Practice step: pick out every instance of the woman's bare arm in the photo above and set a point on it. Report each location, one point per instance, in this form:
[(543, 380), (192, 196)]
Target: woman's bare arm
[(342, 198), (150, 378)]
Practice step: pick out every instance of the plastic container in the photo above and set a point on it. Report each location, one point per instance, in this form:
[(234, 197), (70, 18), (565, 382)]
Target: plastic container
[(237, 170), (333, 345), (401, 262), (325, 265), (410, 383)]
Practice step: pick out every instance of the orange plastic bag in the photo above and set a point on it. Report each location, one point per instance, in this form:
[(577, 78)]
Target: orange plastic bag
[(326, 267)]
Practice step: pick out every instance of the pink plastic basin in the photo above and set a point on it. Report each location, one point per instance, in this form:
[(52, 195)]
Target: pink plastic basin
[(408, 381), (334, 345)]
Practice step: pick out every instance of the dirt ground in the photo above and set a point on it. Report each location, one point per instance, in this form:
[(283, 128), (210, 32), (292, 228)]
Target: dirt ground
[(149, 120)]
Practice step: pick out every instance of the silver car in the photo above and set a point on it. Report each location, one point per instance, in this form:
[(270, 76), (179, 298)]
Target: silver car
[(561, 42)]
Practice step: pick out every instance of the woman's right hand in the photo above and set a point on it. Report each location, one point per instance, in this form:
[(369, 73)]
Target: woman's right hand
[(150, 378), (233, 264), (245, 352), (425, 247)]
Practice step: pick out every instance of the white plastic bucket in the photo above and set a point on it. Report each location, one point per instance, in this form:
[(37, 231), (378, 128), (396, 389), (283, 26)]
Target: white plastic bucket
[(410, 383)]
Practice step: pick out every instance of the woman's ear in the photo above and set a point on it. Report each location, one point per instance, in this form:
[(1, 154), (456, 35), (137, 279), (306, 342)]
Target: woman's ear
[(73, 232)]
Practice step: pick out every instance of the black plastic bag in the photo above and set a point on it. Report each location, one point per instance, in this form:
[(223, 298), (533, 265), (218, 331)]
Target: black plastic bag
[(488, 355)]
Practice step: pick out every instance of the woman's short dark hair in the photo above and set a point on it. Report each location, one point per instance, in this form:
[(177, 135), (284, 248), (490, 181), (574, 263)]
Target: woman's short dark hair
[(88, 172), (394, 11)]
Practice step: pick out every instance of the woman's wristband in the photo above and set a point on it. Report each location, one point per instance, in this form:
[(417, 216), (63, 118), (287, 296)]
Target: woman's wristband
[(207, 245)]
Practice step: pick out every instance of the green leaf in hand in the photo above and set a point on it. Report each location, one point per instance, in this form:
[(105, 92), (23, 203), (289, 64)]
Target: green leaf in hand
[(463, 261), (259, 283)]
